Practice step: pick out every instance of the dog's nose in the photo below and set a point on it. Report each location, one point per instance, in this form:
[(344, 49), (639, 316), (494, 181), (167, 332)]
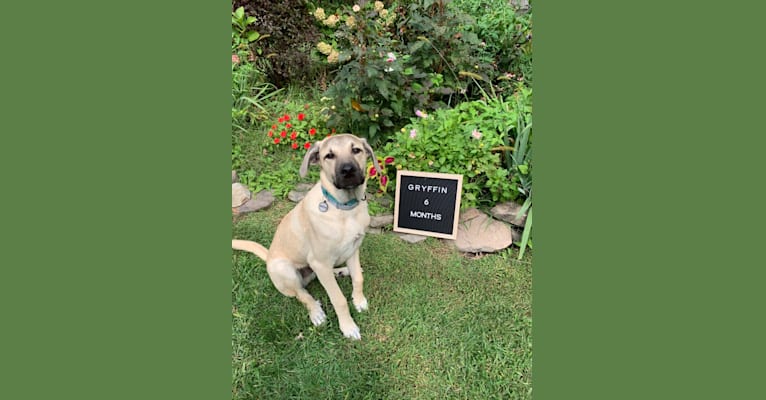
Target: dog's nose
[(347, 169)]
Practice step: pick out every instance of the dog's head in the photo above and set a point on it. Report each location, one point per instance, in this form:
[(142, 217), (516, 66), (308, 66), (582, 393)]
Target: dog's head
[(342, 160)]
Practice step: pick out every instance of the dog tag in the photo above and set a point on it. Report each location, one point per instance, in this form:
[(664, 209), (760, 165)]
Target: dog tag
[(323, 206)]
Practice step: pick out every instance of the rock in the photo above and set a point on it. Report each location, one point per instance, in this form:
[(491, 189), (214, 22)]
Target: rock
[(373, 231), (482, 234), (296, 196), (469, 214), (234, 178), (410, 238), (304, 187), (516, 234), (262, 199), (380, 221), (384, 201), (509, 212), (240, 194)]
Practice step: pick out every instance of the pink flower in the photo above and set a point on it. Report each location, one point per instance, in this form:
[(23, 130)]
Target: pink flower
[(372, 172), (389, 160), (390, 57), (420, 114), (413, 133), (384, 180), (476, 134), (235, 59)]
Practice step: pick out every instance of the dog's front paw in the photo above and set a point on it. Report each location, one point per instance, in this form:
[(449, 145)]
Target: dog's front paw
[(361, 304), (317, 315), (351, 331)]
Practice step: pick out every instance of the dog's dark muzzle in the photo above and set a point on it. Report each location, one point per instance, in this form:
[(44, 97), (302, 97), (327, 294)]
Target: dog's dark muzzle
[(348, 176)]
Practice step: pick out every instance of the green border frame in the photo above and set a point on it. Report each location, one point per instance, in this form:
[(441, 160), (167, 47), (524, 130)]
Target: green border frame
[(116, 159)]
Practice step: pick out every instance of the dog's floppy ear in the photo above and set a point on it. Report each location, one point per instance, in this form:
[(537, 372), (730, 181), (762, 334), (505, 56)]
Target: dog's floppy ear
[(311, 157), (370, 153)]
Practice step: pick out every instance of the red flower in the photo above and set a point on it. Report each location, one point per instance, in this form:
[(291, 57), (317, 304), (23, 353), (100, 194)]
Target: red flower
[(307, 145), (276, 140), (274, 126), (383, 180), (286, 117), (293, 135), (301, 117), (372, 172), (389, 160), (271, 133), (289, 125), (295, 146), (312, 131), (283, 134), (281, 120)]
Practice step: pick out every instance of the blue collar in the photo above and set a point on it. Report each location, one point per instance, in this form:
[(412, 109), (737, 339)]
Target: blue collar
[(349, 205)]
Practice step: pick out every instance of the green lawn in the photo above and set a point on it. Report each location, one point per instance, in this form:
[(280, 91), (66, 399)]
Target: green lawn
[(439, 326)]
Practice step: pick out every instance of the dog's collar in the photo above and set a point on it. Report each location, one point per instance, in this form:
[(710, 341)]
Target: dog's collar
[(349, 205)]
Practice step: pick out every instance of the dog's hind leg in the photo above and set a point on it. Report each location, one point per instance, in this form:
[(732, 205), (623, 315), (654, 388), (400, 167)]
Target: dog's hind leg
[(289, 282)]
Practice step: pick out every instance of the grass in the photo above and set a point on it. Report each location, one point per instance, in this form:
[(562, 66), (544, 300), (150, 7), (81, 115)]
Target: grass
[(439, 326)]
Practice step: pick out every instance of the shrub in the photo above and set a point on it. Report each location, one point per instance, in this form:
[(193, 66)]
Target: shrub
[(391, 61), (248, 90), (505, 34), (471, 140), (290, 36)]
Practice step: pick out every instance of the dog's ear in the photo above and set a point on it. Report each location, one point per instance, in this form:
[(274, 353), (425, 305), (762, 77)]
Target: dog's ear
[(311, 157), (370, 153)]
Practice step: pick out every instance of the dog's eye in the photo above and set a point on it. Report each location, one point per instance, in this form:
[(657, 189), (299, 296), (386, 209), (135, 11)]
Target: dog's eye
[(356, 150), (329, 156)]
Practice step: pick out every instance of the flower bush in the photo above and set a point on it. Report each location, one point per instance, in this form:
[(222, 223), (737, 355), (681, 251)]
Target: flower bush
[(471, 140), (391, 61), (297, 130)]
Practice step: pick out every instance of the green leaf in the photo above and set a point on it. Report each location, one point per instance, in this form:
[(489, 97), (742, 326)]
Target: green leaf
[(239, 13), (525, 234), (253, 36)]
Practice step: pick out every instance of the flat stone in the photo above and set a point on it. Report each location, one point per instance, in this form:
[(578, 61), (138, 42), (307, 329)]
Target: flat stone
[(482, 234), (380, 221), (304, 187), (509, 212), (469, 214), (262, 199), (234, 177), (410, 238), (240, 194), (296, 196)]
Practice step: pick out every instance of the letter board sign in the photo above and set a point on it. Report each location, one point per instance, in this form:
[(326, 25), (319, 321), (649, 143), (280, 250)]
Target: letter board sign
[(427, 203)]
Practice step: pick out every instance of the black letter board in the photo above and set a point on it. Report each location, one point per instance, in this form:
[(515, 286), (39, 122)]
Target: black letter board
[(427, 203)]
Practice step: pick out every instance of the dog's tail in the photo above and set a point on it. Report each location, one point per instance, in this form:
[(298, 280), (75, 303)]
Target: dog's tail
[(250, 246)]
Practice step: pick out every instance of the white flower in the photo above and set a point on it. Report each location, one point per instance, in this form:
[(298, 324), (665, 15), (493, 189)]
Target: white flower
[(476, 134), (356, 8), (391, 57), (319, 14), (379, 5)]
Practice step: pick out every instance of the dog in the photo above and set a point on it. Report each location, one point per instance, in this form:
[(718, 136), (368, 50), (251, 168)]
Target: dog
[(323, 231)]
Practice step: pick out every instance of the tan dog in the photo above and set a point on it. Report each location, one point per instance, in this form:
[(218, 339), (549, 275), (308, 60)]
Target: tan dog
[(323, 231)]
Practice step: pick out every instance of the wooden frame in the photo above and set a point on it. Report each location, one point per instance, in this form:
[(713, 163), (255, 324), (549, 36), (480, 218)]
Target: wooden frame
[(436, 190)]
